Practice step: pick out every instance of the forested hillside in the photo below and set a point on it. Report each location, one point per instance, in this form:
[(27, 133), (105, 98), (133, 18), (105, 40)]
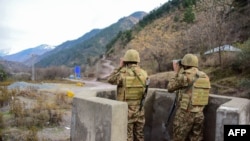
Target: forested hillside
[(193, 26), (87, 49)]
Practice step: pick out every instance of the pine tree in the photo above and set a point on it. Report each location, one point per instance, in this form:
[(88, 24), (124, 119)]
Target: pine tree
[(189, 15)]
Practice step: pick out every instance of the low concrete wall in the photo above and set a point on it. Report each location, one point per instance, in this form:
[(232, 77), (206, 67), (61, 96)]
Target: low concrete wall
[(234, 112), (98, 119), (210, 113), (221, 110), (158, 105)]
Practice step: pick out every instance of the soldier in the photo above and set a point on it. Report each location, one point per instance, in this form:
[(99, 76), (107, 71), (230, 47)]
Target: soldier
[(193, 87), (130, 80)]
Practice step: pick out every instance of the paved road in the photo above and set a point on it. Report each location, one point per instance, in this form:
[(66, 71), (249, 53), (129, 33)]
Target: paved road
[(91, 85), (88, 85)]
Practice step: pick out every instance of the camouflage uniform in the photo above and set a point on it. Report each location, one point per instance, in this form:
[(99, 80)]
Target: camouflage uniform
[(189, 118), (136, 117)]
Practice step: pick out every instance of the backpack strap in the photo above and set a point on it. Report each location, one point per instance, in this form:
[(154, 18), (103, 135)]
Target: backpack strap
[(138, 78), (192, 83)]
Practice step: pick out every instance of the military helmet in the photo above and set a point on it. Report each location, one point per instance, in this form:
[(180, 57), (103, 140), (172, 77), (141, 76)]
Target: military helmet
[(131, 56), (190, 60)]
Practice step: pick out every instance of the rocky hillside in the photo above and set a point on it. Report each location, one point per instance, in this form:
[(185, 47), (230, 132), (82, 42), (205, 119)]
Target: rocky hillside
[(192, 26), (170, 36), (13, 67)]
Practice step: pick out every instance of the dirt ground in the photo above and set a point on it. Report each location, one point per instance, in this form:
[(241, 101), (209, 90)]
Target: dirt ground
[(59, 133), (62, 131)]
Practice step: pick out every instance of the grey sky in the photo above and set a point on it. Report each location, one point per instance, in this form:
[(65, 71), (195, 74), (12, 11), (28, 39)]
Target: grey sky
[(29, 23)]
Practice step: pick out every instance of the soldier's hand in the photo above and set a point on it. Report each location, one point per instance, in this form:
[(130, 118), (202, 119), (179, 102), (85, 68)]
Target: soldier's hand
[(121, 62), (176, 66)]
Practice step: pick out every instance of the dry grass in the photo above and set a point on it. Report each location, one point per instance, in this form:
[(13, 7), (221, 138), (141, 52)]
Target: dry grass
[(25, 112)]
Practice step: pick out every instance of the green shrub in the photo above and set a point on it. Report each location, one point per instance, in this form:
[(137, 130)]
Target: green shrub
[(242, 62), (189, 15), (3, 75)]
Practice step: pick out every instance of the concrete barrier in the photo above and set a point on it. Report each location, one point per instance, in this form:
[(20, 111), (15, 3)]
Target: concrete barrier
[(234, 112), (210, 113), (221, 110), (98, 119)]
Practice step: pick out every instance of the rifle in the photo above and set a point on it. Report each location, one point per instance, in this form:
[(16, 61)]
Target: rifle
[(145, 93)]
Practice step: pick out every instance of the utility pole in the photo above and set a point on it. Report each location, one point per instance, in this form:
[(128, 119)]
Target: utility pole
[(33, 67)]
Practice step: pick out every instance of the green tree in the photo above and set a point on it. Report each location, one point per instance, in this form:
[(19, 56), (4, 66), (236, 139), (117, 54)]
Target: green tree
[(3, 75), (242, 62), (188, 3), (189, 15)]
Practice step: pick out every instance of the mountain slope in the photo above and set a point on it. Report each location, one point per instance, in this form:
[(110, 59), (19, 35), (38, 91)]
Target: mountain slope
[(68, 44), (194, 28), (171, 35), (3, 52), (86, 51), (14, 67), (26, 54)]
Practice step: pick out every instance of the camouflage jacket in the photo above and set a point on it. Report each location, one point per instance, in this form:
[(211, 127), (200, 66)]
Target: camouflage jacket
[(180, 83), (116, 78)]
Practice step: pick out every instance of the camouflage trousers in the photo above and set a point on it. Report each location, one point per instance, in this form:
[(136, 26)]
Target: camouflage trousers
[(136, 122), (188, 125)]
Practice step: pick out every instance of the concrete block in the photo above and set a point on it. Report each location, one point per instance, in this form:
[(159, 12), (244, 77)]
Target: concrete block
[(108, 92), (98, 119), (102, 119), (233, 112), (158, 122), (210, 113)]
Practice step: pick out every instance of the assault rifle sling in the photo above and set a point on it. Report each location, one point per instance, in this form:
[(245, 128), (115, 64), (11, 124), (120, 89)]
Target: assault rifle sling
[(145, 91)]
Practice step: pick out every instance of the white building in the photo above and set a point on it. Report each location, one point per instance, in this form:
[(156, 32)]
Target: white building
[(223, 48)]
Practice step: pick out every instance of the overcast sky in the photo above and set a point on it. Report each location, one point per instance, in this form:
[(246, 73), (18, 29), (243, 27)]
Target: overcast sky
[(29, 23)]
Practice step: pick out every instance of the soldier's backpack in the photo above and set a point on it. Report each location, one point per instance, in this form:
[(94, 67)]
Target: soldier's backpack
[(133, 85), (200, 89), (197, 92)]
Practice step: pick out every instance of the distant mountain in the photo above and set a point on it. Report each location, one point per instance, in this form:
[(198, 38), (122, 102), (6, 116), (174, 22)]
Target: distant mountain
[(68, 44), (138, 15), (13, 67), (88, 47), (3, 52), (25, 55)]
